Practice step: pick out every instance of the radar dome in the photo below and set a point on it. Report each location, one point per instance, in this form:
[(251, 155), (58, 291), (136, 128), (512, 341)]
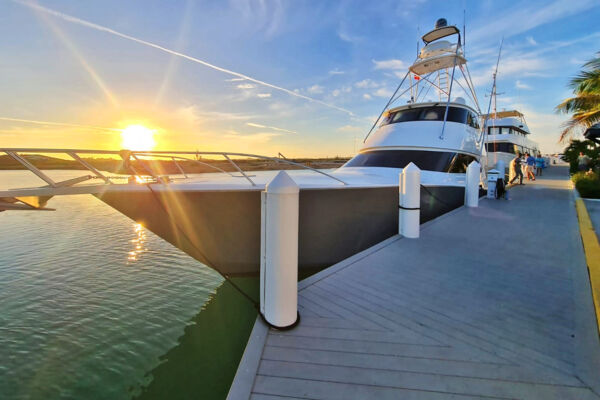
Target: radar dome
[(440, 23), (460, 100)]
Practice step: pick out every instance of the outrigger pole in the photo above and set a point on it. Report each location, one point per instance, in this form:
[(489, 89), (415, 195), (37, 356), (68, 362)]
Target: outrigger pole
[(487, 116)]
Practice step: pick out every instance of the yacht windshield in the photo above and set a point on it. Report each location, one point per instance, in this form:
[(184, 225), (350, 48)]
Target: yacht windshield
[(433, 113), (443, 161)]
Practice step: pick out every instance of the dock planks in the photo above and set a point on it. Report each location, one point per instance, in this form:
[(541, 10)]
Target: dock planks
[(490, 303)]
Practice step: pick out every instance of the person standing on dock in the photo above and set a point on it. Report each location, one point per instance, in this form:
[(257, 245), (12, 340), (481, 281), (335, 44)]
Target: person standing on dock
[(530, 160), (583, 161), (515, 166), (539, 164)]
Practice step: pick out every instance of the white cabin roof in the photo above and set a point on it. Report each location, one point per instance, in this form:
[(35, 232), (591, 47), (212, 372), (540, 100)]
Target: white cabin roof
[(440, 33), (509, 123), (504, 114)]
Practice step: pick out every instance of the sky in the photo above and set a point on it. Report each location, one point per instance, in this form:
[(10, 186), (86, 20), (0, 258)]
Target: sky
[(301, 78)]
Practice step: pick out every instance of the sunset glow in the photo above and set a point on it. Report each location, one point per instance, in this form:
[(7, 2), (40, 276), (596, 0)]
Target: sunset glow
[(212, 86), (137, 137)]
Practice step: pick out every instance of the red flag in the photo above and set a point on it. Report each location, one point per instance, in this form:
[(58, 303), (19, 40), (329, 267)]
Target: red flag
[(417, 78)]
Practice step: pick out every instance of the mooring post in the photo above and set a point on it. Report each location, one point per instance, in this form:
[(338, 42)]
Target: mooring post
[(279, 251), (472, 184), (410, 201)]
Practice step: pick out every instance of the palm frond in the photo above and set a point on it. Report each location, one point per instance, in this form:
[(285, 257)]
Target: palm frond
[(580, 103), (586, 82), (579, 121), (594, 63), (585, 105)]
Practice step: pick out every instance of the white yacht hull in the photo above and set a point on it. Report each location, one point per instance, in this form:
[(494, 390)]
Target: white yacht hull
[(222, 228)]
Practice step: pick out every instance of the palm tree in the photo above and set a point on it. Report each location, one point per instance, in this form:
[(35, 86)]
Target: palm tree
[(585, 106)]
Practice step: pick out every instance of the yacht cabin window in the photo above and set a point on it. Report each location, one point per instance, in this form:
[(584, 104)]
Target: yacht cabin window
[(501, 147), (433, 113), (443, 161)]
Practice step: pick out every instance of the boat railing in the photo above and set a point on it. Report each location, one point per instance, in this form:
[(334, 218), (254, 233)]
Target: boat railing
[(153, 171)]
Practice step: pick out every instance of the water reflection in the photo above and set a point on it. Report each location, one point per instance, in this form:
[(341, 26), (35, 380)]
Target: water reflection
[(204, 361), (139, 243)]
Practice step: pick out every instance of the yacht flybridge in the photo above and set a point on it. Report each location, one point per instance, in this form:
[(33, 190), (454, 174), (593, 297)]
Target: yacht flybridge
[(216, 217)]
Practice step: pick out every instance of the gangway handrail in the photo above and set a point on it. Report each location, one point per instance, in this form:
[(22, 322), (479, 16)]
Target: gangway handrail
[(159, 154)]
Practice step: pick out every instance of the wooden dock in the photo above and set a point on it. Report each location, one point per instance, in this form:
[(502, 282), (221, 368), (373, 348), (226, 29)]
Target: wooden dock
[(492, 302)]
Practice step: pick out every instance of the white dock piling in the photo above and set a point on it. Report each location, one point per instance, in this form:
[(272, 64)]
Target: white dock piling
[(472, 184), (279, 251), (410, 201)]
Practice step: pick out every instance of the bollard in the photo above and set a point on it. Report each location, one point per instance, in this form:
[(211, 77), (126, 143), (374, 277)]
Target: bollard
[(472, 184), (279, 251), (410, 201), (492, 178)]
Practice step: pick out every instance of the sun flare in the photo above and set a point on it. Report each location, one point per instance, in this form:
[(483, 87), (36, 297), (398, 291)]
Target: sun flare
[(138, 137)]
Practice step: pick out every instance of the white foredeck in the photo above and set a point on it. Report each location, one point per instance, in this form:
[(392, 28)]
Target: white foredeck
[(492, 302)]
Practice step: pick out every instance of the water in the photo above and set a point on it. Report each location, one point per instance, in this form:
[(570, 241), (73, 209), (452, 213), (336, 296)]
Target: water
[(94, 306)]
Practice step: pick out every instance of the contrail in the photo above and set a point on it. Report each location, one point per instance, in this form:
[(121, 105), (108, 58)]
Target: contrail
[(92, 25), (33, 121)]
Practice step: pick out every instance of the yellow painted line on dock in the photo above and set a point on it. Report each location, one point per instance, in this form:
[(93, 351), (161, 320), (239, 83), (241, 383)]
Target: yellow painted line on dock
[(591, 248)]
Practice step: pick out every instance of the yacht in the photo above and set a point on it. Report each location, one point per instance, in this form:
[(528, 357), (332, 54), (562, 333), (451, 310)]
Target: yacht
[(507, 133), (216, 217)]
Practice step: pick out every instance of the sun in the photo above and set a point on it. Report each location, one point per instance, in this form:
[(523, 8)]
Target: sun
[(137, 137)]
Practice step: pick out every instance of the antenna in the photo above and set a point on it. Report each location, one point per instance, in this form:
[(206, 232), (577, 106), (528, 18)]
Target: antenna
[(494, 94), (487, 116), (418, 37), (464, 30)]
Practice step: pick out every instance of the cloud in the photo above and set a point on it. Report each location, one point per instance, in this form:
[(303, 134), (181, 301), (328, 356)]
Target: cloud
[(194, 113), (315, 89), (266, 17), (389, 64), (245, 86), (263, 95), (37, 122), (258, 137), (336, 71), (513, 65), (383, 92), (531, 40), (343, 89), (528, 16), (346, 36), (576, 61), (367, 96), (189, 114), (521, 85), (254, 125), (235, 80), (545, 127), (506, 101), (366, 84), (350, 128)]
